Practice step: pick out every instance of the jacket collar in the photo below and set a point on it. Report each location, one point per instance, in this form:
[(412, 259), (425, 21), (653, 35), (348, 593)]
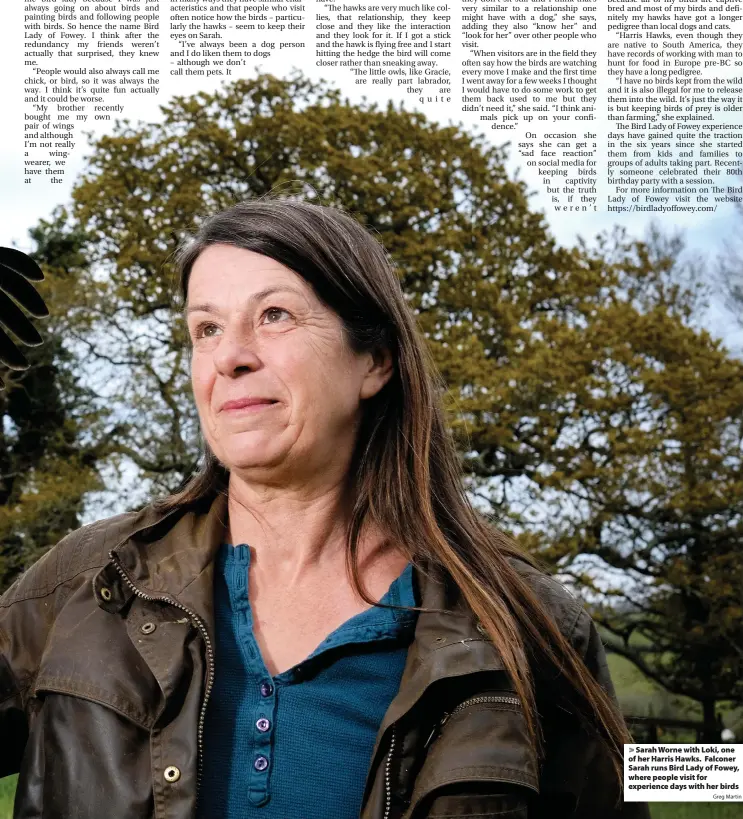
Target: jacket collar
[(170, 556)]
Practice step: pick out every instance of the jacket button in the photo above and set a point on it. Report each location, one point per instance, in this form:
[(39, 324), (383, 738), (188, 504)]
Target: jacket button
[(148, 628), (106, 594), (172, 774)]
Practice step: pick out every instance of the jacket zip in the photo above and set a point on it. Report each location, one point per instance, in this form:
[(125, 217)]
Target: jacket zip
[(504, 698), (387, 781), (471, 701), (481, 698), (209, 658)]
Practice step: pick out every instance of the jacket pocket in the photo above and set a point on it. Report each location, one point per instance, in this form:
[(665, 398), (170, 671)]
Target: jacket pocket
[(83, 759), (480, 762)]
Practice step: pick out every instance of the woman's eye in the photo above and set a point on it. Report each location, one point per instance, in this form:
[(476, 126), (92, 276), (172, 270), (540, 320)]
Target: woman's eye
[(274, 310), (201, 328)]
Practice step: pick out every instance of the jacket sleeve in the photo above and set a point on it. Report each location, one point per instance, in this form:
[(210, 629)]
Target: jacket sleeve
[(13, 725), (598, 793), (26, 616)]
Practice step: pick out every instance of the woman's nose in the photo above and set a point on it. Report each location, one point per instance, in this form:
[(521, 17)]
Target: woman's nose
[(235, 350)]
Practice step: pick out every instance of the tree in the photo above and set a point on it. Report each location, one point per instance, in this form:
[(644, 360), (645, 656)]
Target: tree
[(563, 365), (629, 431)]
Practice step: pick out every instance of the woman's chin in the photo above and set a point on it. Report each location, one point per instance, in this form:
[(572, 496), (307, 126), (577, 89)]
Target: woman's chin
[(251, 458)]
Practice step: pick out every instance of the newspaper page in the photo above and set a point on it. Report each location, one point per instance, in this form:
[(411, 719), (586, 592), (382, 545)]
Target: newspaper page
[(617, 113), (622, 111)]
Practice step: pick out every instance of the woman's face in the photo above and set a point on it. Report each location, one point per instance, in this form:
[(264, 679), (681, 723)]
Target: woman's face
[(286, 346)]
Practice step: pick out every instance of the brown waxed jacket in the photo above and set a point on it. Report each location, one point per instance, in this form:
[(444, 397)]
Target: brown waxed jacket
[(106, 667)]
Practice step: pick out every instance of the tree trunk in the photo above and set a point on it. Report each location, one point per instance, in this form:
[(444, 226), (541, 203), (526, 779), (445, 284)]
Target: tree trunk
[(710, 729)]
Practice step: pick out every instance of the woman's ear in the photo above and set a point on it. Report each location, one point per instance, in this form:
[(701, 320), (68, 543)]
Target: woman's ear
[(381, 370)]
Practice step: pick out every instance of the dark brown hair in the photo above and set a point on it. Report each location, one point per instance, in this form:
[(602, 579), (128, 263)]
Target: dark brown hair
[(406, 471)]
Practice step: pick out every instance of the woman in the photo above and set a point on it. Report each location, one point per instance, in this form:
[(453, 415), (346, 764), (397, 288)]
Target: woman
[(221, 653)]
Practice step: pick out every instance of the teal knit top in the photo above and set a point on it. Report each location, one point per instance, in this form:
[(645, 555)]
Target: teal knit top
[(297, 745)]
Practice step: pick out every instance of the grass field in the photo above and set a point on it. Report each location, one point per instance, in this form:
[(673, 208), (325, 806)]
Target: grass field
[(638, 696), (696, 810), (7, 789)]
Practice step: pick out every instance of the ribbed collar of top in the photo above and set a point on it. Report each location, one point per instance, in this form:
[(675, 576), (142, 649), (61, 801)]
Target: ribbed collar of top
[(374, 623)]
